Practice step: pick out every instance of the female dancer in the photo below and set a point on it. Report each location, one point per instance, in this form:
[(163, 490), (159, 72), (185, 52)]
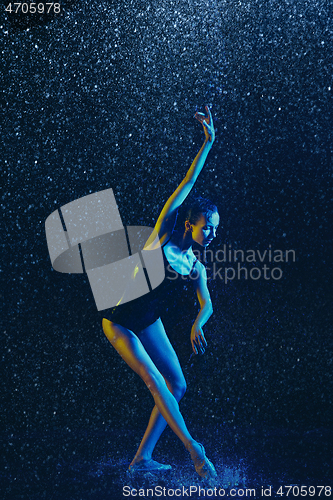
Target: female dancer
[(136, 331)]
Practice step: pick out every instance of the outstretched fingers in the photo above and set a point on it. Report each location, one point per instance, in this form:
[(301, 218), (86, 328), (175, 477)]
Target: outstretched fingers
[(207, 122), (210, 118), (200, 116), (199, 343)]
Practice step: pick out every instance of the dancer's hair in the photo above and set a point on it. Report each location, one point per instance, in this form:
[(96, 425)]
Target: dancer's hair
[(199, 206)]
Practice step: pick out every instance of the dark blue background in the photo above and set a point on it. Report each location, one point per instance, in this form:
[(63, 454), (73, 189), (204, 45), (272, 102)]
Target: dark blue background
[(103, 96)]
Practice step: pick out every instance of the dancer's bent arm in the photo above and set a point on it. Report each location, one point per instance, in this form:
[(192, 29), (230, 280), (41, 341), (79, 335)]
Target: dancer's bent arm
[(165, 221), (198, 340)]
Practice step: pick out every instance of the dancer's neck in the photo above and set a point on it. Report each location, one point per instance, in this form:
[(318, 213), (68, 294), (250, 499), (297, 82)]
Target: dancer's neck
[(183, 239)]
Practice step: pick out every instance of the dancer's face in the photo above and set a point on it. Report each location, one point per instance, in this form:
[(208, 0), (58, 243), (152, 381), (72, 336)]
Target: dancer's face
[(204, 230)]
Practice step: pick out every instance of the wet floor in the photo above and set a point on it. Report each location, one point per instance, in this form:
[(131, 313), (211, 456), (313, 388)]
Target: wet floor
[(87, 465)]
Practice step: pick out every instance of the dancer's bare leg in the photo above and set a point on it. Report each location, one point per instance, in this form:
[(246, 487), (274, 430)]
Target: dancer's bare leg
[(132, 351), (158, 347)]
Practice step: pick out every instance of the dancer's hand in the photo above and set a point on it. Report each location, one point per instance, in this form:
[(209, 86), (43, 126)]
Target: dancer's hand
[(207, 123), (198, 340)]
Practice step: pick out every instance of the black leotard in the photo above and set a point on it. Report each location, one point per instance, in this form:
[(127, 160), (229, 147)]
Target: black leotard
[(142, 312)]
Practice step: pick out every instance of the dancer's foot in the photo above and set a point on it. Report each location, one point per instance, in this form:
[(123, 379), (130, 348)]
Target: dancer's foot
[(203, 466), (148, 466)]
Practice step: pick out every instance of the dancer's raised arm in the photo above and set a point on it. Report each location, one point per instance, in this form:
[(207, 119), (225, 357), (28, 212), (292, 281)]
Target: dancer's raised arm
[(166, 219)]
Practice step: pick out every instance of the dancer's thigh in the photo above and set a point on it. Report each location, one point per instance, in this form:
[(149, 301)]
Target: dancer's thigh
[(130, 349), (158, 346)]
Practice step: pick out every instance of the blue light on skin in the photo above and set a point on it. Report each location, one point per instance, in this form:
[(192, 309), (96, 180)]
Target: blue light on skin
[(204, 231)]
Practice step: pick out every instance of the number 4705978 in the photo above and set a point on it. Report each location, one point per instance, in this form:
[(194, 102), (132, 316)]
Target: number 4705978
[(295, 491), (33, 8)]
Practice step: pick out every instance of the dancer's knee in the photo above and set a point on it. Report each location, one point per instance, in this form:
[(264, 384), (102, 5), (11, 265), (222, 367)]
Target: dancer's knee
[(154, 381), (178, 388)]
